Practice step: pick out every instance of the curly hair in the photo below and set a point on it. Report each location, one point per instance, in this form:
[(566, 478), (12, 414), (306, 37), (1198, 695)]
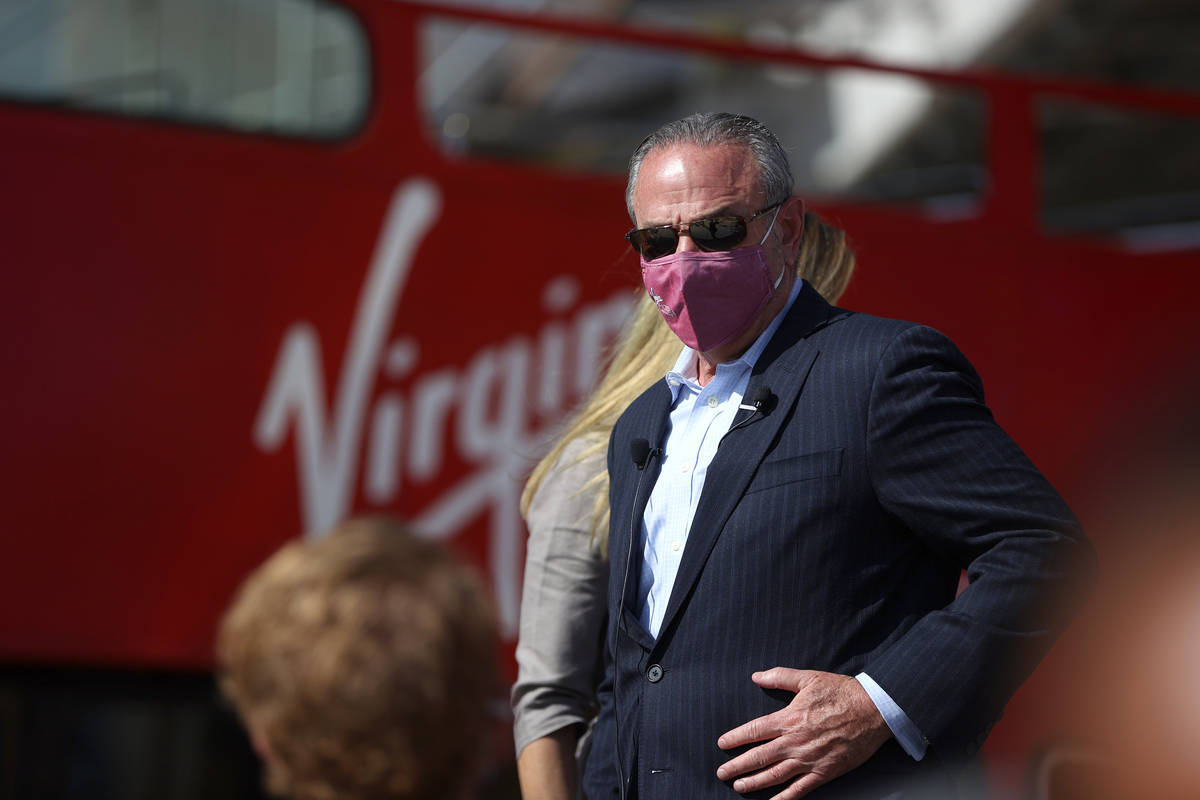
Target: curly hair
[(363, 662)]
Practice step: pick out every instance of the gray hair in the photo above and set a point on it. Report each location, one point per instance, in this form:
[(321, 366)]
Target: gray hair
[(713, 130)]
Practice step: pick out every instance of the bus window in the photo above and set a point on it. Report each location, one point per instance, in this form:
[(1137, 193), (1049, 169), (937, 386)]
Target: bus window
[(1120, 172), (572, 103), (290, 67)]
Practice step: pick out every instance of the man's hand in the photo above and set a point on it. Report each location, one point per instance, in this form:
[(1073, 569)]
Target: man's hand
[(830, 727)]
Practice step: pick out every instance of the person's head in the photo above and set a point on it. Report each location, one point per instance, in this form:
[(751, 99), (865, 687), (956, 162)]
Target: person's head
[(711, 195), (823, 257), (362, 664)]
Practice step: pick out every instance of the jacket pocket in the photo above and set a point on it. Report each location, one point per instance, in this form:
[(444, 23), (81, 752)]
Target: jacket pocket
[(778, 472)]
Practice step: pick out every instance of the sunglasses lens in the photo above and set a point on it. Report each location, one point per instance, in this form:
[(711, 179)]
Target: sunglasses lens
[(652, 243), (718, 233)]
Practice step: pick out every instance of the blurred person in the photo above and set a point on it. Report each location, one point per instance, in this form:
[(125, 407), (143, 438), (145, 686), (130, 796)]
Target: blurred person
[(782, 611), (565, 504), (1126, 719), (1134, 705), (362, 665)]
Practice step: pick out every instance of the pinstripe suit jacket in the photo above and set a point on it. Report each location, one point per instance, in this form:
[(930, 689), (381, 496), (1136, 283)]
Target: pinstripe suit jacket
[(830, 535)]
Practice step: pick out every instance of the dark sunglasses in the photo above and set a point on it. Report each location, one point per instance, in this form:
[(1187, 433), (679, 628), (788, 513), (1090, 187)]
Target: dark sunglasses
[(714, 233)]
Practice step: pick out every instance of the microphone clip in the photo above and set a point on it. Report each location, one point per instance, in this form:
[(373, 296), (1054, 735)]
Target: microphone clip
[(641, 452), (761, 401)]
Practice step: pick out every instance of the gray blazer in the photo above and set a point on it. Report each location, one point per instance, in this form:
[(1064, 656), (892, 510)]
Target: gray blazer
[(559, 655)]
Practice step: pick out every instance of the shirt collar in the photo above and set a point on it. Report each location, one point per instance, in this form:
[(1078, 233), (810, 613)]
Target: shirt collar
[(684, 369)]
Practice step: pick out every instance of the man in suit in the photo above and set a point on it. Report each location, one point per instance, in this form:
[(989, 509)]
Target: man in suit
[(791, 509)]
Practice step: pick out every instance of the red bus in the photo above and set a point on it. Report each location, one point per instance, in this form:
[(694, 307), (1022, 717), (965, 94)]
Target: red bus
[(228, 324)]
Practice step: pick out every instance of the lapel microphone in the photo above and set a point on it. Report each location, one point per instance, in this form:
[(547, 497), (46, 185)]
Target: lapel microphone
[(640, 452), (761, 401)]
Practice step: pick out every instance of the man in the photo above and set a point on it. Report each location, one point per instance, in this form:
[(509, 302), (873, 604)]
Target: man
[(791, 509), (362, 664)]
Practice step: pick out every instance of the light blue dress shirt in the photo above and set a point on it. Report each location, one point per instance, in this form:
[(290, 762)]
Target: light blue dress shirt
[(700, 416)]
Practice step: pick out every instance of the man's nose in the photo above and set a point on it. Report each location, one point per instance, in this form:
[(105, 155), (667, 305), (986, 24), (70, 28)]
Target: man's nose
[(686, 243)]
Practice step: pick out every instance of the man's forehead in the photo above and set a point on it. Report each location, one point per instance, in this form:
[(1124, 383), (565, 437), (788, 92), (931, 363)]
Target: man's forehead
[(727, 169), (732, 157)]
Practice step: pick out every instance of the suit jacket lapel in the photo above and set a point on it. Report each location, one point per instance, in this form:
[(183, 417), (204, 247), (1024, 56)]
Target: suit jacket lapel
[(783, 367), (654, 410)]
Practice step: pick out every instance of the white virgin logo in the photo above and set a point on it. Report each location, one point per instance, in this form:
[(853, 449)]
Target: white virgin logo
[(328, 459), (488, 401), (662, 306)]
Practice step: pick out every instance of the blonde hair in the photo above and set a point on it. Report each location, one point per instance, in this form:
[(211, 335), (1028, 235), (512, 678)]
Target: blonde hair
[(364, 660), (648, 349)]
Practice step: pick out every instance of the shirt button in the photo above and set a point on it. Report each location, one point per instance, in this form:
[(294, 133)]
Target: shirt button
[(654, 674), (675, 546), (684, 467), (712, 402)]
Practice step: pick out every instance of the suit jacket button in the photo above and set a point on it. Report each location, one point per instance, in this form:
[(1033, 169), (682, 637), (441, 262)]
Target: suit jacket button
[(654, 674)]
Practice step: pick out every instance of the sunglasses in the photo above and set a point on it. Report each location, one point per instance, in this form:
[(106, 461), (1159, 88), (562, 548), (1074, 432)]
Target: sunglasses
[(712, 234)]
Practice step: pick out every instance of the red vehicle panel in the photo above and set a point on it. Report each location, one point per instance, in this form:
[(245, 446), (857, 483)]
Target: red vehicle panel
[(213, 341)]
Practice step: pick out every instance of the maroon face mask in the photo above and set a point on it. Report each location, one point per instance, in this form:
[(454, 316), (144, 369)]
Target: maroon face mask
[(709, 299)]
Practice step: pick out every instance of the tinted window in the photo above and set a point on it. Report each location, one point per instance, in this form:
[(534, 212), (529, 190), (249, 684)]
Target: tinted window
[(296, 67), (579, 104)]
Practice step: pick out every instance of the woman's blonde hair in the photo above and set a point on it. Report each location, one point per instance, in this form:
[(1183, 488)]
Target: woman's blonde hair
[(648, 349)]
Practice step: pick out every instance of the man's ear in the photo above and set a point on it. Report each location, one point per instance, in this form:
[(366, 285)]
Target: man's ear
[(791, 224)]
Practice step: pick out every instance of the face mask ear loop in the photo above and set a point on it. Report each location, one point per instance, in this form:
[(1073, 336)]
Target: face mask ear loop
[(779, 280), (771, 227)]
